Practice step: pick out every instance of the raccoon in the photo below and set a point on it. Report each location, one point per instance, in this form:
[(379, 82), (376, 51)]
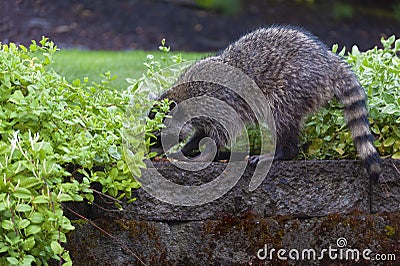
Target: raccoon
[(297, 74)]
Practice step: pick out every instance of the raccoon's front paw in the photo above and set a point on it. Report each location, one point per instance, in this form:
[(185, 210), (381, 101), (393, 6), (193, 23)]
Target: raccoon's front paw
[(254, 159), (178, 156)]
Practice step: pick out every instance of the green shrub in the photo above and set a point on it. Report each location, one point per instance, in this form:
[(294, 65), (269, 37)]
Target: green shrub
[(160, 75), (378, 71), (56, 140)]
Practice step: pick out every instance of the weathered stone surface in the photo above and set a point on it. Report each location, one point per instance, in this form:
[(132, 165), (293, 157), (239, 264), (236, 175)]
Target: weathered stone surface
[(386, 196), (300, 188), (236, 241), (301, 205)]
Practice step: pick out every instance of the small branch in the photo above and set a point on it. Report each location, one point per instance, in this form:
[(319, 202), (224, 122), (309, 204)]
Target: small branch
[(106, 233), (395, 167), (59, 242), (105, 195), (13, 221), (104, 209)]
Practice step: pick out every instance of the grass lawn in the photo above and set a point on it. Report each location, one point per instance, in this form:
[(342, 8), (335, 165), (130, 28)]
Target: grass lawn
[(77, 64)]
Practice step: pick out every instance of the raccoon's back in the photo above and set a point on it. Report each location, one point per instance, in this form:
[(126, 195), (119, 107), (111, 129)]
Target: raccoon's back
[(273, 47), (290, 66)]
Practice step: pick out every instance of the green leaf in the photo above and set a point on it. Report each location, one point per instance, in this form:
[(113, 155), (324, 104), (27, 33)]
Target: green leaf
[(56, 247), (36, 217), (339, 150), (28, 243), (2, 206), (64, 197), (67, 226), (22, 193), (135, 171), (23, 208), (131, 200), (12, 261), (41, 199), (7, 225), (390, 109), (335, 48), (89, 197), (28, 260), (396, 130), (33, 229), (3, 247), (396, 155), (76, 82), (17, 97), (30, 182), (23, 223), (68, 263), (389, 142), (113, 151), (114, 173)]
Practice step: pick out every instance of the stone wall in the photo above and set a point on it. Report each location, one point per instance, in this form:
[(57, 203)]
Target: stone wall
[(300, 206)]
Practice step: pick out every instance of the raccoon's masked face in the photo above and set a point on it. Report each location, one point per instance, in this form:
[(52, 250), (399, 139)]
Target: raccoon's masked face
[(157, 143), (184, 132)]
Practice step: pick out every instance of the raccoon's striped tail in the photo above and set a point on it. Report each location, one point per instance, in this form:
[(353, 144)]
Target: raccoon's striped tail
[(353, 97)]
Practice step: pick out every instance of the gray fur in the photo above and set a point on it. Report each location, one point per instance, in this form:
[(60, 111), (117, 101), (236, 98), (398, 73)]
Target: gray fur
[(298, 75)]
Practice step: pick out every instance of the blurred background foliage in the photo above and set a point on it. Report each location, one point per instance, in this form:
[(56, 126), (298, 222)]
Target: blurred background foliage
[(191, 25), (341, 9)]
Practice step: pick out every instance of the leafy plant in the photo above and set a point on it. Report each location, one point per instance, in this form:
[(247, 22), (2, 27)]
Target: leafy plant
[(378, 71), (33, 224), (160, 75), (56, 140)]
